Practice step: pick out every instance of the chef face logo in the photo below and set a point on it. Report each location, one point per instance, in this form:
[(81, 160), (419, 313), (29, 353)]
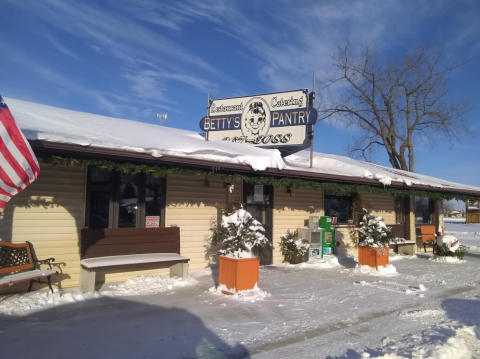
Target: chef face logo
[(255, 118)]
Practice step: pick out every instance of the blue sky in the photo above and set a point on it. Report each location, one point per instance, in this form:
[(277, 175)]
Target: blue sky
[(132, 59)]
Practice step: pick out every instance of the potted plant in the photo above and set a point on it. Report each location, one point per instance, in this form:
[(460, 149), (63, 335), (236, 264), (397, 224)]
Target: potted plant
[(294, 249), (240, 242), (374, 239)]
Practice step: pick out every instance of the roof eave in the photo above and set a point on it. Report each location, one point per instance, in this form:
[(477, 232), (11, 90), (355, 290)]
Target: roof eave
[(112, 153)]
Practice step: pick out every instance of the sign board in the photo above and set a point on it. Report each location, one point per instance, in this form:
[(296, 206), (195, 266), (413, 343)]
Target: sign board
[(271, 120), (152, 221), (258, 193)]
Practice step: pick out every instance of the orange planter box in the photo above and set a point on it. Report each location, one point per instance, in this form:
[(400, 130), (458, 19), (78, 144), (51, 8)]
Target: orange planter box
[(238, 274), (373, 257)]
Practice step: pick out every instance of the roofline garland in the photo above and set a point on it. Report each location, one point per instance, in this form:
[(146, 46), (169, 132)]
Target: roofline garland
[(341, 188)]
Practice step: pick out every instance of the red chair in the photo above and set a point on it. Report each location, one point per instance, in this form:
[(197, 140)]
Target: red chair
[(428, 236)]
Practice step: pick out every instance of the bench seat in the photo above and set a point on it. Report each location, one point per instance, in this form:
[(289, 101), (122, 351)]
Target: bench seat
[(23, 276), (405, 247), (178, 265)]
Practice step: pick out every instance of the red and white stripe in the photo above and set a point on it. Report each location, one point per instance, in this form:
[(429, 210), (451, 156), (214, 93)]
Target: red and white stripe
[(18, 165)]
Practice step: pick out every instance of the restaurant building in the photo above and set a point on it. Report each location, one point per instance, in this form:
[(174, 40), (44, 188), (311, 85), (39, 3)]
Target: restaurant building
[(100, 172)]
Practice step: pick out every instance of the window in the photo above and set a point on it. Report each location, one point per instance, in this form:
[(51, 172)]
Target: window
[(338, 206), (100, 188), (120, 200), (424, 209)]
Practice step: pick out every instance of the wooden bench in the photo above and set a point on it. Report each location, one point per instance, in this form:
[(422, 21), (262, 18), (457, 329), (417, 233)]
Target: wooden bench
[(18, 263), (117, 248), (405, 247), (428, 236)]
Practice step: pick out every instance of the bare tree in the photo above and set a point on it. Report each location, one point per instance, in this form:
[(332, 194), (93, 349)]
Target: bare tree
[(394, 104), (448, 206)]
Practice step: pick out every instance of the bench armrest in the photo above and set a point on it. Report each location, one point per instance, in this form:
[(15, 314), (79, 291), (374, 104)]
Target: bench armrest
[(48, 261)]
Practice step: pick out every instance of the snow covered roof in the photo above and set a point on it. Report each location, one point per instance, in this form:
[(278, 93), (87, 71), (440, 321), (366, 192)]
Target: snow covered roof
[(51, 124), (348, 167), (47, 123)]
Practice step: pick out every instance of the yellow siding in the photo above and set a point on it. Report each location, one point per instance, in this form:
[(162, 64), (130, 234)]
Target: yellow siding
[(191, 205), (290, 212), (343, 237), (380, 205), (49, 213)]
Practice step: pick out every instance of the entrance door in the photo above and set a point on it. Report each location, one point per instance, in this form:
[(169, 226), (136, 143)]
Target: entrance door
[(400, 228), (258, 201)]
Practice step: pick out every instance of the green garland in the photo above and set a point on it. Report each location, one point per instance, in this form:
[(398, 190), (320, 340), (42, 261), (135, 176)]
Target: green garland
[(340, 188)]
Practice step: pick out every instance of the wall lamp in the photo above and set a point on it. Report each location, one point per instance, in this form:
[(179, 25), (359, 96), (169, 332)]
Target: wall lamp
[(290, 189)]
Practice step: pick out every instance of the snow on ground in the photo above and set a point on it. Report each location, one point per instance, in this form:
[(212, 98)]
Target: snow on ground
[(325, 310), (454, 219), (387, 270), (243, 295), (467, 234), (26, 303)]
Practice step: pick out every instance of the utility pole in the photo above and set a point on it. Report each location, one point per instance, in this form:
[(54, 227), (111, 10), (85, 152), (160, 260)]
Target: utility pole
[(312, 104)]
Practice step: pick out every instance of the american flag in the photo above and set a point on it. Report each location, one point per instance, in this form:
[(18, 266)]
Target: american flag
[(18, 165)]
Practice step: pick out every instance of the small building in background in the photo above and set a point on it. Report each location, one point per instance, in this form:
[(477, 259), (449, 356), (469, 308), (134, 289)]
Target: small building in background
[(473, 212)]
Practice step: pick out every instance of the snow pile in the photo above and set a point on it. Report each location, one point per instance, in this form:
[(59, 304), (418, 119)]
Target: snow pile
[(22, 304), (251, 295), (396, 257), (446, 259), (322, 263), (382, 270), (459, 346), (449, 343), (421, 314), (327, 262), (148, 284)]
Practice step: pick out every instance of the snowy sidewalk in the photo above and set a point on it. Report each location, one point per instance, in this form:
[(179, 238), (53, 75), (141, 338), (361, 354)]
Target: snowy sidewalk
[(325, 310)]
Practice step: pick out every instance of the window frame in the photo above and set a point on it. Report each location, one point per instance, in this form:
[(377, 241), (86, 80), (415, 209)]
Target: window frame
[(431, 209), (114, 202), (351, 199)]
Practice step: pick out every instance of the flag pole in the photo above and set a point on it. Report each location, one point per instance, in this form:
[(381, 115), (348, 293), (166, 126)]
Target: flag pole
[(208, 112), (312, 104)]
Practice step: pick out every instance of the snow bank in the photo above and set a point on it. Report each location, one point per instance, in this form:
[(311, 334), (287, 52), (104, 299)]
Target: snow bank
[(323, 263), (462, 345), (315, 263), (149, 284), (445, 259), (421, 314), (25, 303), (22, 304)]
